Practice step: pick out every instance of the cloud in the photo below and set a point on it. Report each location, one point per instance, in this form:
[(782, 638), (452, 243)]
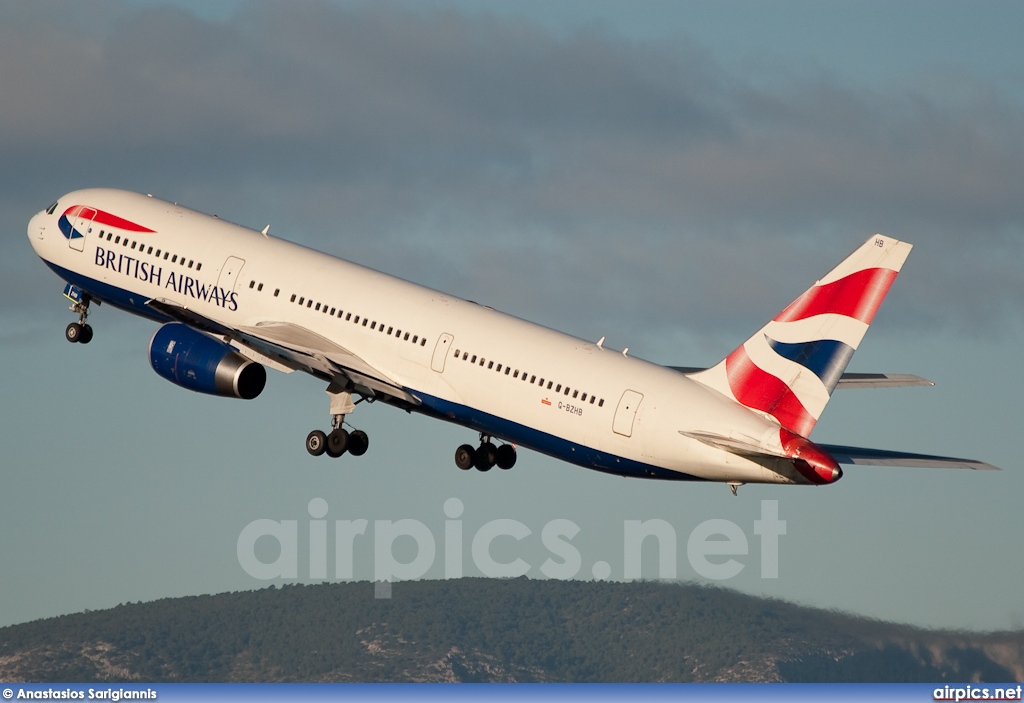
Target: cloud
[(640, 187)]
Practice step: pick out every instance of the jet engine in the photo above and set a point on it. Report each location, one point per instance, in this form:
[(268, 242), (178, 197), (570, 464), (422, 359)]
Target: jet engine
[(203, 364)]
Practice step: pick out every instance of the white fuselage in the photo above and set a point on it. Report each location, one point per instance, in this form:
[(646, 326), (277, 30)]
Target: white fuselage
[(597, 408)]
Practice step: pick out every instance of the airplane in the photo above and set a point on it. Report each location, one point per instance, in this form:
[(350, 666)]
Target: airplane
[(233, 301)]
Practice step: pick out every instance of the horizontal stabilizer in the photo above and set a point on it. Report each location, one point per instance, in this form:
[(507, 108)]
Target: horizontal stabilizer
[(882, 457), (852, 380), (732, 445), (881, 380)]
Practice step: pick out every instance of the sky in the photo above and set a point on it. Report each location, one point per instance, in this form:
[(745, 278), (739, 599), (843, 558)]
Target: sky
[(666, 175)]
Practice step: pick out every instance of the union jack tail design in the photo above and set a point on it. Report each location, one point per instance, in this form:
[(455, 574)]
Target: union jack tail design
[(789, 369)]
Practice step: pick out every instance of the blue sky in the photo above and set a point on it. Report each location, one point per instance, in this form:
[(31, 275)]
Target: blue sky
[(668, 175)]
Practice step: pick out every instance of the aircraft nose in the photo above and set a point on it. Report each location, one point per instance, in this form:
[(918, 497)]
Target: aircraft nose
[(37, 231), (36, 228)]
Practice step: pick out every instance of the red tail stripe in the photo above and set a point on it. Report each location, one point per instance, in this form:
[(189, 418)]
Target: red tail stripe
[(758, 389), (858, 296)]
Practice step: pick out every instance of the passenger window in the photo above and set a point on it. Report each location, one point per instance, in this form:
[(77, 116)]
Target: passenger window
[(150, 250), (133, 245), (175, 259), (293, 297), (532, 379), (252, 284), (482, 360), (391, 329), (158, 253), (583, 398), (258, 288), (465, 355), (356, 321), (592, 399), (309, 303), (516, 374), (550, 383), (423, 342), (498, 369), (302, 300), (415, 338), (318, 307), (575, 393), (110, 235), (601, 403), (118, 240), (507, 370), (406, 338), (457, 352), (373, 326), (490, 365), (166, 254), (200, 265), (332, 311), (558, 389), (277, 292), (348, 316), (473, 360), (365, 321)]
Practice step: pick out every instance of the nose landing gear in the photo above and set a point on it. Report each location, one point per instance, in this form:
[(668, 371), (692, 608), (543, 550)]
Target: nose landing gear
[(78, 332)]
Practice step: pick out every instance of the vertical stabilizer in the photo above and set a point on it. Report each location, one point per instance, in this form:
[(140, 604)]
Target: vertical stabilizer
[(789, 369)]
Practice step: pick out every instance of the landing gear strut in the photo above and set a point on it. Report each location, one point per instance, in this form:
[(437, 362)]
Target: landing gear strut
[(338, 440), (79, 331), (486, 456)]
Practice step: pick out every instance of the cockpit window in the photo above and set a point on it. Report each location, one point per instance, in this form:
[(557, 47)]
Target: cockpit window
[(49, 210)]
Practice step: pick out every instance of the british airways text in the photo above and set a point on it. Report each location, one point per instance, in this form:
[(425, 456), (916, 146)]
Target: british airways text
[(178, 282)]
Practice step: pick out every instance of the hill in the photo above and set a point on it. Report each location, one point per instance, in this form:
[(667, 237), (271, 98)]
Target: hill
[(494, 630)]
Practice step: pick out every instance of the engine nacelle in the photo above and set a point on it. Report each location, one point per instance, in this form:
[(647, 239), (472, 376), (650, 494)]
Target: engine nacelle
[(203, 364)]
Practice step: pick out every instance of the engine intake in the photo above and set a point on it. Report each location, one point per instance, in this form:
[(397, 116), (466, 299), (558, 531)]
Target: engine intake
[(200, 363)]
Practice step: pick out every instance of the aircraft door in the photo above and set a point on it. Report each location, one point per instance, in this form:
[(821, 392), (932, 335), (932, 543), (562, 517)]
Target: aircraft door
[(626, 412), (441, 352), (229, 273), (81, 225)]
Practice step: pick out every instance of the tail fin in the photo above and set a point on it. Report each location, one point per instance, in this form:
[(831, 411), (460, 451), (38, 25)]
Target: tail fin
[(789, 369)]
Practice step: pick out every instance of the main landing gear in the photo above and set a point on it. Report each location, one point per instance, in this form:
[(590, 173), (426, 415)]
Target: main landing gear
[(79, 332), (338, 440), (486, 456)]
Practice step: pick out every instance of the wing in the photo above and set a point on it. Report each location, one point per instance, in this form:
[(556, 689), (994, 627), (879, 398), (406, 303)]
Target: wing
[(883, 457), (289, 347), (852, 380)]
